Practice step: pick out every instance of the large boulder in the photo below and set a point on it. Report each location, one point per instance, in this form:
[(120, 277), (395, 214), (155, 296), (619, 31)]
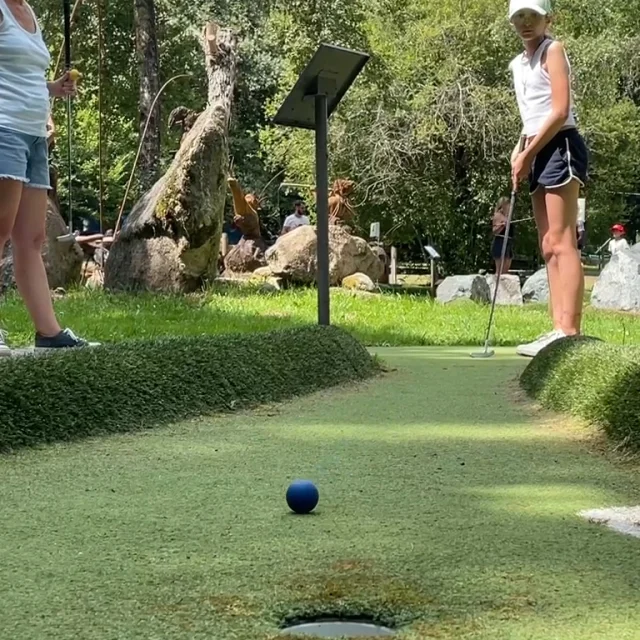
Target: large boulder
[(536, 288), (471, 287), (618, 286), (62, 261), (294, 256), (246, 256), (509, 291)]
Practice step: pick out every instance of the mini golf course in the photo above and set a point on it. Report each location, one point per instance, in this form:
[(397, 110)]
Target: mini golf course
[(448, 509)]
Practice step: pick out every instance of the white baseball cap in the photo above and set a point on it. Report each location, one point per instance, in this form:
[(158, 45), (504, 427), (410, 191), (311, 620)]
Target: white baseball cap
[(543, 7)]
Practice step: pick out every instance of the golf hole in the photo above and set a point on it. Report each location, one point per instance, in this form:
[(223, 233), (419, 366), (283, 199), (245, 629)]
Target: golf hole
[(334, 628)]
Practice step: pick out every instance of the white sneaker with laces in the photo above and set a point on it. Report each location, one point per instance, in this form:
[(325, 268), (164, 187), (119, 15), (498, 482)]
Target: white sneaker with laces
[(4, 349), (532, 349)]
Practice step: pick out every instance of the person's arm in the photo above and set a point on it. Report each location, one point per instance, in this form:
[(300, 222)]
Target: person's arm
[(558, 70)]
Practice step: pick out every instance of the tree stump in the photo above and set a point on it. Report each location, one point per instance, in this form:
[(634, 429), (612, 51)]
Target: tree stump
[(170, 242)]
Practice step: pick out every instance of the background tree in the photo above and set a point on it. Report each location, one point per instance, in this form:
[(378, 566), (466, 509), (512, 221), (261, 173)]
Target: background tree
[(426, 131), (149, 74)]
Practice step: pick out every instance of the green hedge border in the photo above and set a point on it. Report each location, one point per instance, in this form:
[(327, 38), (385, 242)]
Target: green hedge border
[(140, 384), (596, 381)]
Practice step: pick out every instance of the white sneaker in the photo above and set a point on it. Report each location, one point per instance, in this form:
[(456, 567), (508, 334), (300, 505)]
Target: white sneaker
[(532, 349), (4, 349)]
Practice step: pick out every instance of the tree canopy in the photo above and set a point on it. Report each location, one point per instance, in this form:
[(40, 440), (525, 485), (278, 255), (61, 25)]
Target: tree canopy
[(426, 132)]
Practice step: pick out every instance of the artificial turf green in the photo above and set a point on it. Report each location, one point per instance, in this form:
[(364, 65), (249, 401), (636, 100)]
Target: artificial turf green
[(445, 507)]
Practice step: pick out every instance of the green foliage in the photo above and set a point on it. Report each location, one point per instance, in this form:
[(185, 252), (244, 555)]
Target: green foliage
[(428, 129), (426, 132), (593, 380), (139, 384)]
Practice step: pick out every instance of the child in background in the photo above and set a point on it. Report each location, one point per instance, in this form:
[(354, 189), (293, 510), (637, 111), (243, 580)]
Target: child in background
[(499, 225), (618, 243)]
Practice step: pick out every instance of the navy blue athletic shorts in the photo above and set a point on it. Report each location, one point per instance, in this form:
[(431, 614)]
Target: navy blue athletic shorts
[(497, 246), (563, 159)]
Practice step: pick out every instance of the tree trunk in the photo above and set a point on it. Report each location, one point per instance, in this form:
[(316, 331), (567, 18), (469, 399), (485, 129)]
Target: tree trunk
[(171, 239), (148, 69)]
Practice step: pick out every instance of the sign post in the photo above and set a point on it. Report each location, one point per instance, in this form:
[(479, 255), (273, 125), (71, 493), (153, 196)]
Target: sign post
[(315, 96)]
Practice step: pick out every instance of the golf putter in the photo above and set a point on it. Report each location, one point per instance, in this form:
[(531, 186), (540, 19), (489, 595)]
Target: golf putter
[(68, 238), (489, 353)]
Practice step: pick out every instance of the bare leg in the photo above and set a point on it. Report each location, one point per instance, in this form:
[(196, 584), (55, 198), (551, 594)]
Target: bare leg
[(10, 194), (562, 211), (503, 267), (27, 238), (553, 273)]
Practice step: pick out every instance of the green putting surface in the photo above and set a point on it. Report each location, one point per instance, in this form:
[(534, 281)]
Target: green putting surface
[(445, 507)]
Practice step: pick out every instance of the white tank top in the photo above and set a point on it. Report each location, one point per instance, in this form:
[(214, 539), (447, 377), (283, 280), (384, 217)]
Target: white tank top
[(533, 90), (24, 60)]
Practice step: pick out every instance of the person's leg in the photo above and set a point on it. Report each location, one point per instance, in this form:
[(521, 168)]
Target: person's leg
[(540, 214), (10, 194), (27, 239), (562, 211)]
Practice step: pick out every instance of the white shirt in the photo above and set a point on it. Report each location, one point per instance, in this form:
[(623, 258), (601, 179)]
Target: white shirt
[(294, 221), (616, 245), (24, 60), (533, 90)]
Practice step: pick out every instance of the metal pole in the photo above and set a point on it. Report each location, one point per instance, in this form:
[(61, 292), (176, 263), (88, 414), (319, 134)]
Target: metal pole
[(322, 200), (100, 122), (433, 278), (67, 66)]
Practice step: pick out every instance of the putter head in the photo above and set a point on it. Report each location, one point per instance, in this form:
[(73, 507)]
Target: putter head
[(487, 353)]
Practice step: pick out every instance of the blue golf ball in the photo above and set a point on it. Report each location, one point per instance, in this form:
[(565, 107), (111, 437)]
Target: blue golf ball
[(302, 496)]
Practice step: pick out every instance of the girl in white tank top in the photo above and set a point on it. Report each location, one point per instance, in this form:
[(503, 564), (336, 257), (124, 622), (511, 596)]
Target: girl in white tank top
[(554, 161)]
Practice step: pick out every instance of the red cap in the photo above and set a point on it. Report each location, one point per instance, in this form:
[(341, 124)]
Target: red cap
[(617, 227)]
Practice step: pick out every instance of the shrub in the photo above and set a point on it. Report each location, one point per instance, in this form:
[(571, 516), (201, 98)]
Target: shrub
[(139, 384), (593, 380)]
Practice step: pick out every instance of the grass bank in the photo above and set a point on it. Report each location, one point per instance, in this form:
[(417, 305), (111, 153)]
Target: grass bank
[(139, 384), (593, 380)]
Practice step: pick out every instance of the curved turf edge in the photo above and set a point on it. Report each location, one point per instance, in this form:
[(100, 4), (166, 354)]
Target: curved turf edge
[(596, 381), (140, 384)]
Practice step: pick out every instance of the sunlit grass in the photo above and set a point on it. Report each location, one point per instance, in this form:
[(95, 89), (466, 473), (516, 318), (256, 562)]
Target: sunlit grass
[(392, 320)]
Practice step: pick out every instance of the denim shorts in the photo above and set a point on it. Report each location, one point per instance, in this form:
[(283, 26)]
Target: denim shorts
[(25, 158), (563, 159)]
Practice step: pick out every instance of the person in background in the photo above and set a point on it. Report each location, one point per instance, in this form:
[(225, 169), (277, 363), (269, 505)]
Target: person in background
[(619, 242), (499, 225), (25, 134), (297, 219), (581, 226)]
